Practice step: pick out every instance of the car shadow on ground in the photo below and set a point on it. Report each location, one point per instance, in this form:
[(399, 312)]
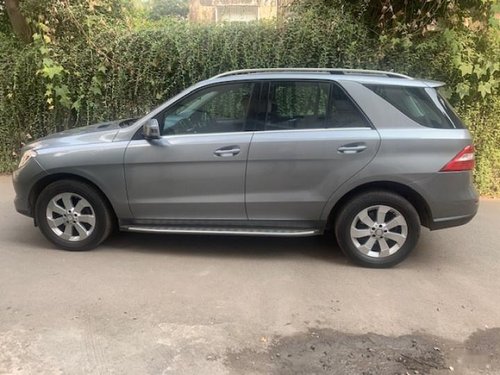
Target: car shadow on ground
[(321, 247)]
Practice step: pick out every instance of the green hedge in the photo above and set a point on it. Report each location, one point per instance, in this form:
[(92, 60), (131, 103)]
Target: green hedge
[(50, 86)]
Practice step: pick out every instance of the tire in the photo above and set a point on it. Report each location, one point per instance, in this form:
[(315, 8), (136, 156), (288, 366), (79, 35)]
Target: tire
[(375, 244), (83, 225)]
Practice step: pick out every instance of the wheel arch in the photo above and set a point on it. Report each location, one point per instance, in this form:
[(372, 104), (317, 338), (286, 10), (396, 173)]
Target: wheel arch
[(48, 179), (415, 199)]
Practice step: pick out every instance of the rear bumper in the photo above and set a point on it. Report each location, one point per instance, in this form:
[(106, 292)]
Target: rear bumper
[(449, 222), (454, 200)]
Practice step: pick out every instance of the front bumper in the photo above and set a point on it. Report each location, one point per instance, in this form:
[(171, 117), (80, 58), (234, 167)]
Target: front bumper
[(24, 179), (22, 206)]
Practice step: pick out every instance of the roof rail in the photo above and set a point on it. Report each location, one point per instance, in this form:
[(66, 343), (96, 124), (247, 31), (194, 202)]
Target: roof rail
[(314, 70)]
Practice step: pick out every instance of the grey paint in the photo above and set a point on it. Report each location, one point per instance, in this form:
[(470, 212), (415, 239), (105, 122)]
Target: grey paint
[(87, 152), (291, 176), (179, 177)]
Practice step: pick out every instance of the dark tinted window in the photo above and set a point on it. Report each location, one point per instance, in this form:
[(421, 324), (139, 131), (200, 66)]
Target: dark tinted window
[(422, 105), (344, 113), (450, 111), (297, 105), (216, 109), (308, 105)]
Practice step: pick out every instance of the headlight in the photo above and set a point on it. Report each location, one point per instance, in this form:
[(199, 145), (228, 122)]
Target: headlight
[(26, 157)]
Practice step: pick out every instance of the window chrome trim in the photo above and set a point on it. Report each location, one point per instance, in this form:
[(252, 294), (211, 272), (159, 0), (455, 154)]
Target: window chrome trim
[(266, 131)]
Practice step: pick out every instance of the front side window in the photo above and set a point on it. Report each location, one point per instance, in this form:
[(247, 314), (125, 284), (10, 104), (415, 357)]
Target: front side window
[(418, 104), (216, 109)]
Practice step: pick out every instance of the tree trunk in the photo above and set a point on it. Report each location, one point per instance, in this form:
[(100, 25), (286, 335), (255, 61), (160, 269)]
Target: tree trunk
[(18, 21)]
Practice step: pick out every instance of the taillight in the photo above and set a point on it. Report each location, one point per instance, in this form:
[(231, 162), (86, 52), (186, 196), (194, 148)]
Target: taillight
[(464, 161)]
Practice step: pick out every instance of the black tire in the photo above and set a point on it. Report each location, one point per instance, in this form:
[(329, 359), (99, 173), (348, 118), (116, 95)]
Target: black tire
[(99, 208), (370, 199)]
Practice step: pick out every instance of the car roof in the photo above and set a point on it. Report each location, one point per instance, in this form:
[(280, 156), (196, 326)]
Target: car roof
[(361, 76)]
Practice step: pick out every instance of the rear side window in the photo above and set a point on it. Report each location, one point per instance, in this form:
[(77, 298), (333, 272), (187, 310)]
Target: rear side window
[(423, 105), (297, 105), (343, 112), (310, 105), (449, 111)]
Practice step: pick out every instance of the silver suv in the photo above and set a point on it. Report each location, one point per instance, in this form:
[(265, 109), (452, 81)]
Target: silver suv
[(369, 155)]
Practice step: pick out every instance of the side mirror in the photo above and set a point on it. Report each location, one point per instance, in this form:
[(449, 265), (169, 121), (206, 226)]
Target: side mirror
[(151, 129)]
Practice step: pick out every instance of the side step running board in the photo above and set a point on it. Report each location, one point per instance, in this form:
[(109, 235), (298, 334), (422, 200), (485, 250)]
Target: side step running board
[(227, 231)]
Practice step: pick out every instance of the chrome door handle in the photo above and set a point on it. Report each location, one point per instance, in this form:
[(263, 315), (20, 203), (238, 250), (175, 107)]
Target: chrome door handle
[(227, 151), (352, 148)]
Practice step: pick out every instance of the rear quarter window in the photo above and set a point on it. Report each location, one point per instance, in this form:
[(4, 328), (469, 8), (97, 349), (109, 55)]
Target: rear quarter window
[(423, 105)]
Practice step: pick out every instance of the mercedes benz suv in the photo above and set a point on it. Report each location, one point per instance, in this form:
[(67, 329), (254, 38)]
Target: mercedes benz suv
[(366, 156)]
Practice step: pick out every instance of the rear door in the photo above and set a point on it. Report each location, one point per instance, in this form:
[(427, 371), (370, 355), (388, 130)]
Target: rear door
[(312, 139)]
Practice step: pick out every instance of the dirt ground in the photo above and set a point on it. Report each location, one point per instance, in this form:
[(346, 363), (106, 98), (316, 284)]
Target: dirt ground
[(173, 304)]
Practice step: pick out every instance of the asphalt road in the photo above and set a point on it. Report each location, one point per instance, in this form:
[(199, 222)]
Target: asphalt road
[(174, 304)]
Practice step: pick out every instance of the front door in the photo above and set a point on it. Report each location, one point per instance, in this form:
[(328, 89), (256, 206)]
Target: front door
[(197, 169)]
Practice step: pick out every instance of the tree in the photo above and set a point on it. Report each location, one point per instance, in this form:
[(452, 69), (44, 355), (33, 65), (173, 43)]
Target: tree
[(405, 17), (419, 17), (17, 20), (168, 8)]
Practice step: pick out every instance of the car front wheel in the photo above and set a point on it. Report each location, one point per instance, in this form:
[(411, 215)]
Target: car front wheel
[(377, 229), (73, 215)]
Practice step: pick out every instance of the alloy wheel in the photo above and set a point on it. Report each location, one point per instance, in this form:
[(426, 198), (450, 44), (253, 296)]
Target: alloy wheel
[(379, 231), (71, 217)]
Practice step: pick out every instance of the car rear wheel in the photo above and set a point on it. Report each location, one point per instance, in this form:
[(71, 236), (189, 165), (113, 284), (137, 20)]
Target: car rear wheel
[(377, 229), (73, 215)]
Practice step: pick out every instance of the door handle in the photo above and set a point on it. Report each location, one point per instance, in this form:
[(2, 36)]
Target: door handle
[(352, 148), (227, 151)]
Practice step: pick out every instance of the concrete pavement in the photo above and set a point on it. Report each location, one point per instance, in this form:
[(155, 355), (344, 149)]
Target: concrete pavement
[(174, 304)]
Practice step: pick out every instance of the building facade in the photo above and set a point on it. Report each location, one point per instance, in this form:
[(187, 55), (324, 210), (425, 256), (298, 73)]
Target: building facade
[(217, 11)]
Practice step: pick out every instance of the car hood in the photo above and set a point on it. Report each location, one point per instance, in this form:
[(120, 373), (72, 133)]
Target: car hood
[(98, 133)]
